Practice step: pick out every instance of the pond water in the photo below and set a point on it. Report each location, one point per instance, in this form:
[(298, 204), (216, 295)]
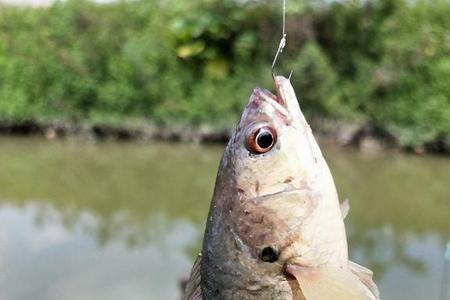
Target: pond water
[(111, 221)]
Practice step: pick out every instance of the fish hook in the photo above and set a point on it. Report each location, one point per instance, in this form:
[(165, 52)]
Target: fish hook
[(282, 41)]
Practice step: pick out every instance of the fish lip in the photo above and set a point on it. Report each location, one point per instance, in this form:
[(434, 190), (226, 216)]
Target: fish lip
[(276, 102), (280, 97)]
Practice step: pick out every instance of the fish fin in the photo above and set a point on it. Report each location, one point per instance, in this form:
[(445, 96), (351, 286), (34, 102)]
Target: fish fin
[(365, 276), (329, 283), (193, 290), (345, 207)]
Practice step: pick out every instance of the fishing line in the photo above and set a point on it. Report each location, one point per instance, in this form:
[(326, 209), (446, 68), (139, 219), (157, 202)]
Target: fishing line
[(283, 38)]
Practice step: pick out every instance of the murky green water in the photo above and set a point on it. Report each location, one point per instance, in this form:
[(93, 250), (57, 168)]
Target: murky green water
[(110, 221)]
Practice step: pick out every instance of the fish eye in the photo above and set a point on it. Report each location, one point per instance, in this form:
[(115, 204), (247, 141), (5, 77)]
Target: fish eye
[(260, 138), (269, 254)]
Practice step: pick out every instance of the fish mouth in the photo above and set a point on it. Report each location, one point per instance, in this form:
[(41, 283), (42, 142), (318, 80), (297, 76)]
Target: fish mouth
[(277, 102), (266, 94)]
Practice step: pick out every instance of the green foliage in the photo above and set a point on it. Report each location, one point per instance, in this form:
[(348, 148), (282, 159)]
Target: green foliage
[(386, 62), (392, 61), (316, 82), (415, 91)]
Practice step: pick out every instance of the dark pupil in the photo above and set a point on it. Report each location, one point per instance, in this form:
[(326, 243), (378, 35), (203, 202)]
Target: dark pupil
[(264, 139), (269, 254)]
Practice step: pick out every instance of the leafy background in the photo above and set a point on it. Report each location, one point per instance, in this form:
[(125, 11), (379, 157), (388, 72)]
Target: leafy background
[(194, 63)]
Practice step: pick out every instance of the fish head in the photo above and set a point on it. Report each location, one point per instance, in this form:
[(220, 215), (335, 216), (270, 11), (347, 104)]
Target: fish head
[(273, 191), (272, 148)]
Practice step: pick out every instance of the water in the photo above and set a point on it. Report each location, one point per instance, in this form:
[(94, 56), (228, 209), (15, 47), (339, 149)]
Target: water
[(124, 221)]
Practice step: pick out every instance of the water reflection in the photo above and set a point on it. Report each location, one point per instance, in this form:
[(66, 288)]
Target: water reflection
[(45, 260), (125, 220)]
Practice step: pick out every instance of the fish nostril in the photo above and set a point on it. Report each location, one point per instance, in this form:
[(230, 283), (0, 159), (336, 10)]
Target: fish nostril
[(269, 254)]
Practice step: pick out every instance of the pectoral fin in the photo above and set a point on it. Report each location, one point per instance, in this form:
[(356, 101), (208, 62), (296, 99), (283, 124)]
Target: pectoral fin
[(329, 283), (193, 290)]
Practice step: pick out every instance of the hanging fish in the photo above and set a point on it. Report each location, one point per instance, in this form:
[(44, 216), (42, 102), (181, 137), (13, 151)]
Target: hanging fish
[(275, 228)]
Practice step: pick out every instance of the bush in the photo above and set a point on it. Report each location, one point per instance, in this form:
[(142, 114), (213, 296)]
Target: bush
[(315, 81), (384, 62)]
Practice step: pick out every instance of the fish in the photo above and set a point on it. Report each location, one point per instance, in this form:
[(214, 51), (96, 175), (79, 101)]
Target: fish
[(275, 228)]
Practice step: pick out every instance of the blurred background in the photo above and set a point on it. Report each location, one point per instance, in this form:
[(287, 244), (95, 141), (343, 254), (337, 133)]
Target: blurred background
[(114, 114)]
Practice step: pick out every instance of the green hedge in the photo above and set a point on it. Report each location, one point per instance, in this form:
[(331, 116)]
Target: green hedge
[(384, 62)]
